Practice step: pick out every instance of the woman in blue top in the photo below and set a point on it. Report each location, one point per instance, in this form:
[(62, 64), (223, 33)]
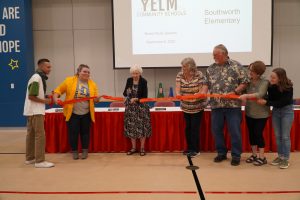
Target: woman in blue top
[(280, 96)]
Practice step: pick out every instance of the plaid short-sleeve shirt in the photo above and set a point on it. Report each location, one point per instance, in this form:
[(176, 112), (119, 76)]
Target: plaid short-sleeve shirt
[(224, 79)]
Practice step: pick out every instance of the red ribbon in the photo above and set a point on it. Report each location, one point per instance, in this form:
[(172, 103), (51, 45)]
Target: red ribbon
[(50, 96), (189, 97), (143, 100), (62, 103), (113, 98)]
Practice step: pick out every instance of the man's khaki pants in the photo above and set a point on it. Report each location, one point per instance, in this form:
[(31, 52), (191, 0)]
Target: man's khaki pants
[(35, 139)]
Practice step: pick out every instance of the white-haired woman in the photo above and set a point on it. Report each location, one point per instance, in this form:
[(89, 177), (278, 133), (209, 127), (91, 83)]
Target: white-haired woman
[(137, 115)]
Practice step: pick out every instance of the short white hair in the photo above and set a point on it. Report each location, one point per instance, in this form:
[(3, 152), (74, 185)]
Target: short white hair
[(136, 68)]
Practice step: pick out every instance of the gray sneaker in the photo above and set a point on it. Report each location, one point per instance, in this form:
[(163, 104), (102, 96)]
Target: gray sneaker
[(284, 164), (276, 162)]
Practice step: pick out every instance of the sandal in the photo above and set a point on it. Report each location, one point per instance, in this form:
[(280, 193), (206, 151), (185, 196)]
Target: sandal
[(260, 162), (251, 159), (131, 151), (142, 152)]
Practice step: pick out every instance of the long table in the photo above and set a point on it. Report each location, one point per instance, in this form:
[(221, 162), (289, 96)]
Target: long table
[(167, 132)]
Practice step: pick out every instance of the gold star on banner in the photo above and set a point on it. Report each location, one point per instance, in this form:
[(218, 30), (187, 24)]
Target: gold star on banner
[(13, 64)]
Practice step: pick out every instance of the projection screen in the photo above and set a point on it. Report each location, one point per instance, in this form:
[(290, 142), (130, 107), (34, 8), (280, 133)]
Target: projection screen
[(160, 33)]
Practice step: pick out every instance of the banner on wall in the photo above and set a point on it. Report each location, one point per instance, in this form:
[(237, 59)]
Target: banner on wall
[(16, 59)]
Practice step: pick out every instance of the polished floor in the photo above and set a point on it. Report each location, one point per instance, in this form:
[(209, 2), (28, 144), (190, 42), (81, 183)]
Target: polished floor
[(156, 176)]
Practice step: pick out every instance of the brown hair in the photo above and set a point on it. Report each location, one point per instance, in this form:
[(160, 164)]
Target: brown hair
[(258, 67), (80, 67), (284, 82)]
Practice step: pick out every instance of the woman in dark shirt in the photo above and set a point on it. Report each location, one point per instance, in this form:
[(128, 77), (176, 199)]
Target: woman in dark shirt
[(280, 96), (137, 115)]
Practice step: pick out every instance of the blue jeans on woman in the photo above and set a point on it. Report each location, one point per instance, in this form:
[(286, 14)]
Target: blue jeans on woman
[(282, 119), (233, 118)]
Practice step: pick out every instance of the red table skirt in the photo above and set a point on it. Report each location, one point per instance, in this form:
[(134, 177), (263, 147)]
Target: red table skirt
[(167, 133)]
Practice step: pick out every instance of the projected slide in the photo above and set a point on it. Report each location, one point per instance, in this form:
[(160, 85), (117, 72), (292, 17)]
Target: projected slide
[(190, 26), (160, 33)]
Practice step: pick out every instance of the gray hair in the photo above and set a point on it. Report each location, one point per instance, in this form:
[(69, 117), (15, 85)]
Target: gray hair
[(190, 62), (222, 48), (136, 68)]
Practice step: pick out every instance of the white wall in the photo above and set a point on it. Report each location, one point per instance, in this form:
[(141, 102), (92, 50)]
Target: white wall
[(71, 32)]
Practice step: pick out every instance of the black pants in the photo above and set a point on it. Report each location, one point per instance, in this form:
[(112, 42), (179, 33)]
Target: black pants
[(79, 125), (192, 127), (255, 129)]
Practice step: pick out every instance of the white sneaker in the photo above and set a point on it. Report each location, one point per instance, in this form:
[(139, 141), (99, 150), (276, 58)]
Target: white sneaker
[(44, 164), (29, 162)]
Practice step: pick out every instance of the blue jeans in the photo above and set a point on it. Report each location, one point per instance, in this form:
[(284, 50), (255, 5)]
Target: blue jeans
[(282, 119), (233, 117)]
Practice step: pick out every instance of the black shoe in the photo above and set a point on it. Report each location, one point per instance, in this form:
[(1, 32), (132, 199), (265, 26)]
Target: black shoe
[(131, 151), (186, 152), (235, 161), (220, 158), (251, 159), (260, 161), (193, 154)]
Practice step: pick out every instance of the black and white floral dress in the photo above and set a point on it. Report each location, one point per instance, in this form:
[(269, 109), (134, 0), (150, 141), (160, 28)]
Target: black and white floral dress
[(137, 117)]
